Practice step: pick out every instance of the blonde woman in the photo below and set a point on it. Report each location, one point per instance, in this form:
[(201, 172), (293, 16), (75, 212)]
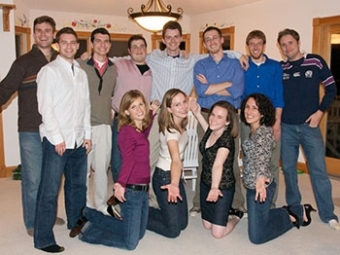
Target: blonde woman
[(172, 217)]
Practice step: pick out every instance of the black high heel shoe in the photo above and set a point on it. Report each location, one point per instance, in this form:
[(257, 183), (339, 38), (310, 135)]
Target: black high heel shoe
[(308, 209), (296, 222), (236, 213)]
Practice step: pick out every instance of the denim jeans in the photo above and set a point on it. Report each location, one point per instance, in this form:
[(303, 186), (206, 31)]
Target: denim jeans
[(314, 149), (31, 160), (265, 224), (109, 231), (171, 218), (73, 164), (116, 159)]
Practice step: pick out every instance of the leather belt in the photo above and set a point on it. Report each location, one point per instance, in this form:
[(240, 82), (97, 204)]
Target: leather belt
[(138, 187)]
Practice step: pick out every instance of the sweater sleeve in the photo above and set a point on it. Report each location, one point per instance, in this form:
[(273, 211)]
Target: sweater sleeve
[(11, 82), (127, 145), (328, 82)]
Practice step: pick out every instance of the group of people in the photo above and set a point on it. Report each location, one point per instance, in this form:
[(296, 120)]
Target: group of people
[(66, 128)]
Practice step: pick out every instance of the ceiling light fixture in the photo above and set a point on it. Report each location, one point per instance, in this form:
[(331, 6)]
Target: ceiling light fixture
[(154, 15)]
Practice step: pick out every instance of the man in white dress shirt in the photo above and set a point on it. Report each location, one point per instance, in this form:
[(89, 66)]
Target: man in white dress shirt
[(64, 103)]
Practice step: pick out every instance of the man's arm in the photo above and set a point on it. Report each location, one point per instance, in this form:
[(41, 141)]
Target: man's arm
[(11, 82), (202, 86), (278, 101), (45, 95), (217, 88), (237, 88), (277, 124)]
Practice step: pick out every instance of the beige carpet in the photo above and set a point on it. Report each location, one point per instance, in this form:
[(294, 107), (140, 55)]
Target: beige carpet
[(318, 238)]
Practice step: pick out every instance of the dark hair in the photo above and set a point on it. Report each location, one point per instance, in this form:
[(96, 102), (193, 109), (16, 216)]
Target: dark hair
[(165, 118), (127, 99), (44, 19), (231, 116), (171, 25), (265, 106), (288, 31), (210, 29), (135, 38), (256, 34), (100, 30), (65, 30)]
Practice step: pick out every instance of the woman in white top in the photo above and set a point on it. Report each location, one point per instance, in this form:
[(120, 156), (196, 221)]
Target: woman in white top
[(172, 217)]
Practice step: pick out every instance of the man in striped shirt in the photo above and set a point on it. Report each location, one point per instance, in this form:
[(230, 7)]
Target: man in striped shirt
[(302, 75)]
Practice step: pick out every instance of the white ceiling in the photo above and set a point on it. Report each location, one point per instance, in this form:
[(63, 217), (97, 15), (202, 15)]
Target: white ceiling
[(119, 7)]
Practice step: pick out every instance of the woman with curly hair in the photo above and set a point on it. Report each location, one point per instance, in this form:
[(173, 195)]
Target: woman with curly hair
[(172, 216), (264, 224)]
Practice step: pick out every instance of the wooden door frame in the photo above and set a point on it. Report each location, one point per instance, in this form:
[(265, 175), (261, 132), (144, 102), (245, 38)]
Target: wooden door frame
[(322, 30)]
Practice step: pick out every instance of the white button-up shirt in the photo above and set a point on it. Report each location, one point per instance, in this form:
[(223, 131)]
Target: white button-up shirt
[(64, 103)]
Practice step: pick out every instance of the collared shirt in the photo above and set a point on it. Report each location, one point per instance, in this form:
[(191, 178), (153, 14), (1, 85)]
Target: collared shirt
[(301, 83), (226, 70), (129, 77), (169, 72), (265, 78), (64, 103)]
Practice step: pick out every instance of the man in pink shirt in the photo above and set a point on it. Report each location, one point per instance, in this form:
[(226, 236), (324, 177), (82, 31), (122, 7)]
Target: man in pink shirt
[(132, 73)]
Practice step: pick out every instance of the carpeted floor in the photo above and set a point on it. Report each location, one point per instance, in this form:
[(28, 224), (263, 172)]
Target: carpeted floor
[(318, 238)]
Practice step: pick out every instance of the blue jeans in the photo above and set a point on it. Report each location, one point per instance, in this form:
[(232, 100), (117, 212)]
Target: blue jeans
[(116, 159), (265, 224), (171, 218), (314, 149), (124, 234), (31, 160), (73, 164)]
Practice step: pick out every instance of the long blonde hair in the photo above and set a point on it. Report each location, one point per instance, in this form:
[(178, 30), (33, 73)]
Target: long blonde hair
[(165, 118), (124, 119)]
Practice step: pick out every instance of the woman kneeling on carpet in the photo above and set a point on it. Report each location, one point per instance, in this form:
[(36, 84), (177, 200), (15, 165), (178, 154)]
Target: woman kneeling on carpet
[(131, 188), (264, 224)]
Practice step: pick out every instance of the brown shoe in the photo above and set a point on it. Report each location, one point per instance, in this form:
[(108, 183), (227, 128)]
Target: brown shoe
[(112, 201), (77, 229)]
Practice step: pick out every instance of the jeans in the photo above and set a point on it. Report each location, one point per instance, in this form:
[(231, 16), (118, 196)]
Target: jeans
[(171, 218), (314, 149), (31, 159), (73, 164), (116, 159), (123, 234), (265, 224)]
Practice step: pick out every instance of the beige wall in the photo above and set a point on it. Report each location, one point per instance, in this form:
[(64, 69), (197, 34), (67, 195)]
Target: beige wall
[(7, 53)]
